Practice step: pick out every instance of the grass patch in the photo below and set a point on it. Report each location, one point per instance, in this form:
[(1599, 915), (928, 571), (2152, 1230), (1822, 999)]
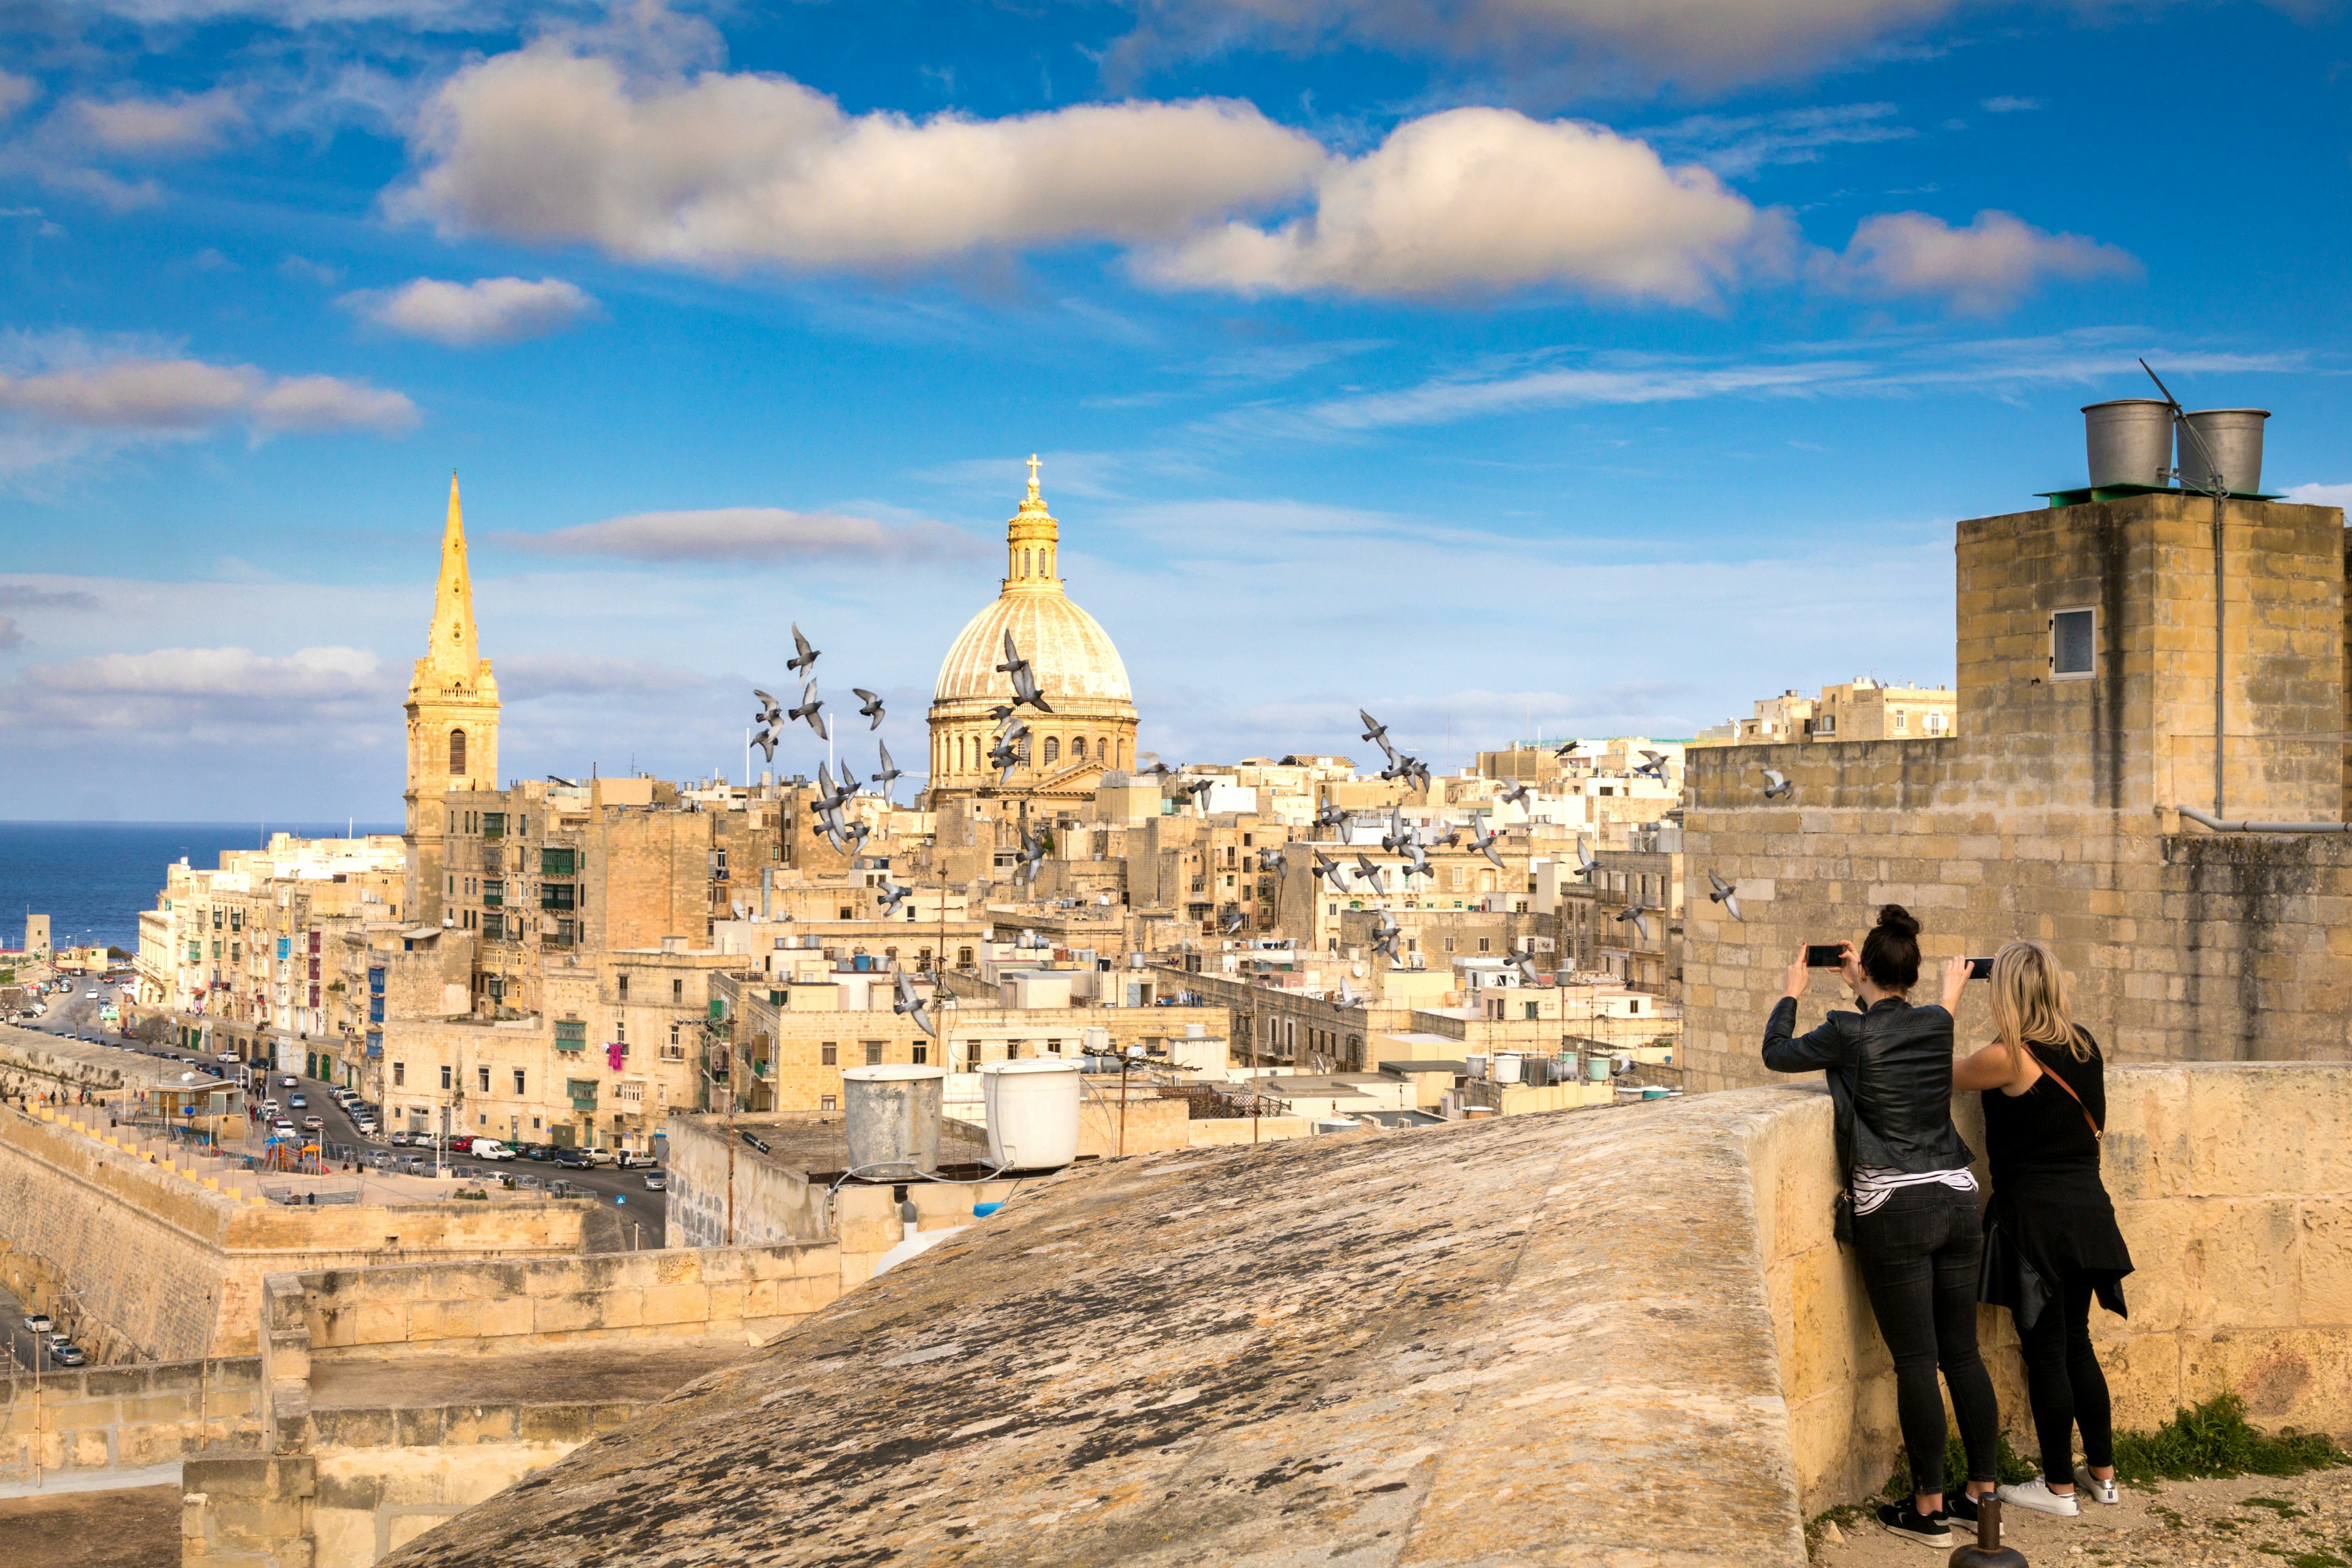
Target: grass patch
[(2213, 1439), (2013, 1467), (2278, 1505)]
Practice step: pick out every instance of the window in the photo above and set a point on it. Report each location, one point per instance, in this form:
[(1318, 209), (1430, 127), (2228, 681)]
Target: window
[(399, 1074), (874, 1052), (719, 865), (963, 958), (457, 752), (825, 1102), (1826, 725), (572, 1035), (1053, 748), (828, 1054), (1902, 721), (1936, 723), (673, 1033), (620, 1030), (494, 824), (622, 987), (2071, 653), (677, 993), (1079, 748), (922, 1055), (482, 1075), (556, 896), (518, 1078), (559, 863), (445, 1076), (1485, 943)]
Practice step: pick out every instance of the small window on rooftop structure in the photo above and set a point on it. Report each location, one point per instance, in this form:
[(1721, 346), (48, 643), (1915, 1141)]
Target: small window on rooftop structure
[(2072, 654)]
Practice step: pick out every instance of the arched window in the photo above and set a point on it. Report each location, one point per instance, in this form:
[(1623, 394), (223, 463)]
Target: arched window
[(1102, 751), (1079, 748), (457, 752), (1053, 750)]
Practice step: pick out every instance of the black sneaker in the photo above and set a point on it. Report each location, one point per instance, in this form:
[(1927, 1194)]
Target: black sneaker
[(1906, 1520), (1961, 1506)]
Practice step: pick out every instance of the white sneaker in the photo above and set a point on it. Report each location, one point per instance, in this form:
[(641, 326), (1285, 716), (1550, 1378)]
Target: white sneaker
[(2035, 1495), (2099, 1491)]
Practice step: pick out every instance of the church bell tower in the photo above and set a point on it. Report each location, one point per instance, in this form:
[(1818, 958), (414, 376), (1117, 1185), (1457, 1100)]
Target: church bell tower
[(453, 725)]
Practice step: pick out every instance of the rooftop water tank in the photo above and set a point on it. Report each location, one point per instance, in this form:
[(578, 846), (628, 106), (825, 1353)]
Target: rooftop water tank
[(1033, 1113), (893, 1115), (2130, 442), (1506, 1068), (2234, 437)]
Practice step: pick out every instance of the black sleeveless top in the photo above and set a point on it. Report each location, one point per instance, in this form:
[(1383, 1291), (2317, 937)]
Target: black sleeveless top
[(2047, 1197)]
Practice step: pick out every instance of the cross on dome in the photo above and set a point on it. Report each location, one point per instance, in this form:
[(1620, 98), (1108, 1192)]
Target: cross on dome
[(1033, 476)]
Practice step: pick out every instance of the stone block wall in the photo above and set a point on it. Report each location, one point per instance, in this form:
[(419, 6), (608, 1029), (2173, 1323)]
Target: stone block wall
[(164, 1267), (73, 1422), (2233, 1185)]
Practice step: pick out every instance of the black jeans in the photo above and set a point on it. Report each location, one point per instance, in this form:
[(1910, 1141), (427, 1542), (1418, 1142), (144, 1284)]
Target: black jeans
[(1918, 1253), (2063, 1380)]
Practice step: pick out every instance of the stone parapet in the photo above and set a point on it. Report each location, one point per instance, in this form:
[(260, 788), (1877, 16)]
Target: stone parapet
[(71, 1424)]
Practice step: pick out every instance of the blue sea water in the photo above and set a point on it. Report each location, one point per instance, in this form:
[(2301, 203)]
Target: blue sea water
[(91, 878)]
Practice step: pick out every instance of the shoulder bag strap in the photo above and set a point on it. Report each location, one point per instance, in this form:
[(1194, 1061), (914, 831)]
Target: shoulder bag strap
[(2097, 1135)]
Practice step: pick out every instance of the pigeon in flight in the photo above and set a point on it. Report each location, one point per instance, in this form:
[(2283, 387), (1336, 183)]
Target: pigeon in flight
[(890, 774), (807, 659), (1527, 975), (1484, 843), (567, 784), (1776, 785), (908, 1005), (1325, 866), (1274, 859), (1374, 730), (766, 740), (1004, 756), (892, 894), (1033, 855), (1654, 768), (1024, 679), (810, 704), (1384, 937), (872, 709), (1727, 894), (1399, 834), (1347, 997), (1368, 872), (1516, 794), (1638, 918), (1585, 864), (1232, 921), (1329, 815), (1418, 864)]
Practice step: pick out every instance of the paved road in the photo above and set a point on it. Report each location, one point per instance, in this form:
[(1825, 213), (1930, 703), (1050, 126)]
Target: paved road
[(76, 1013)]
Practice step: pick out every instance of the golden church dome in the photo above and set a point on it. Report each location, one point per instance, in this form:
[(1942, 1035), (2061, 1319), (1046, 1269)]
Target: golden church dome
[(1088, 725), (1073, 656)]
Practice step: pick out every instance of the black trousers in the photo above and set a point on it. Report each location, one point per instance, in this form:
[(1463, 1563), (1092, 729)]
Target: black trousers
[(1920, 1252), (2063, 1380)]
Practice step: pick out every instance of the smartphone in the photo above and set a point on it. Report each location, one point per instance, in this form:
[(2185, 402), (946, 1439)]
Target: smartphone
[(1824, 955), (1981, 969)]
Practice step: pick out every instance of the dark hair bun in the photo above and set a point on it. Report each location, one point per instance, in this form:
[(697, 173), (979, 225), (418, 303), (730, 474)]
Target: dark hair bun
[(1890, 953), (1895, 917)]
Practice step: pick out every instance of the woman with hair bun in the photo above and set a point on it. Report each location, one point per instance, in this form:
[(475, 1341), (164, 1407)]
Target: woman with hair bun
[(2052, 1245), (1916, 1231)]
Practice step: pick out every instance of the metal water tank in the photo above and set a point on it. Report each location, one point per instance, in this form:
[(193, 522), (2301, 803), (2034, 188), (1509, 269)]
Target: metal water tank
[(2129, 441), (1033, 1113), (2234, 437), (893, 1116)]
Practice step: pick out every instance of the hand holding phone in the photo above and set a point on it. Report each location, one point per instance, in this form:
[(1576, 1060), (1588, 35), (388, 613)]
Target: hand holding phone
[(1981, 969), (1824, 955)]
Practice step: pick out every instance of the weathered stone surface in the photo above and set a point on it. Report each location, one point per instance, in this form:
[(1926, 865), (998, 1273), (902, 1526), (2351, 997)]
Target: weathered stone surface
[(1540, 1339)]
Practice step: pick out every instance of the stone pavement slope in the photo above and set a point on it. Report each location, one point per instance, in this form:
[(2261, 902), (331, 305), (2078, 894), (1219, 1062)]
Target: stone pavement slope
[(1538, 1340)]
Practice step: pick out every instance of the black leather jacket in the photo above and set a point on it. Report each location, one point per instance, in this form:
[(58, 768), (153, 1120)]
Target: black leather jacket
[(1890, 1072)]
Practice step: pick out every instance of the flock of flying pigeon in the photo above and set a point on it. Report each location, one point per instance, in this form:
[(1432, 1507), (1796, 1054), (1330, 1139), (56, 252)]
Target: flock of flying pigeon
[(1009, 749)]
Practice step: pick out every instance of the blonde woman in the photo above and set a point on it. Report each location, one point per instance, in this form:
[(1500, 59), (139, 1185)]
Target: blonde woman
[(2051, 1241)]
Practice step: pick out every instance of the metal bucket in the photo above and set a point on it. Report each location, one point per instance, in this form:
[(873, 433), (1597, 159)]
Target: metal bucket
[(893, 1114), (2129, 440), (2234, 437)]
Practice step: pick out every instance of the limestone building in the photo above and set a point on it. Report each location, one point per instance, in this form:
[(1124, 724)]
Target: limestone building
[(1091, 728), (2095, 746)]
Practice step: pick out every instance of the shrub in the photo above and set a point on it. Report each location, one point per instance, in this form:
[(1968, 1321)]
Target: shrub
[(2011, 1465), (2214, 1439)]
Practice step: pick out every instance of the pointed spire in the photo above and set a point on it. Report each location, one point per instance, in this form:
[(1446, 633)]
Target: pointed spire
[(453, 650)]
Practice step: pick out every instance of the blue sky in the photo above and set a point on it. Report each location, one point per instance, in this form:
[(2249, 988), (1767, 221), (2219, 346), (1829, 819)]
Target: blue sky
[(1509, 366)]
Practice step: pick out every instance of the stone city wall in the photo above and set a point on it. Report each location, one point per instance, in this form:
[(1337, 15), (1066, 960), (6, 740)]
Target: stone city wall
[(162, 1264), (73, 1422), (2233, 1185)]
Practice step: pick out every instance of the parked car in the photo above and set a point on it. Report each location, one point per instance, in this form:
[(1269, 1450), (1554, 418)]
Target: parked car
[(366, 1126), (602, 1157), (38, 1322), (543, 1153), (286, 1080), (283, 1128), (297, 1102), (574, 1159), (70, 1356), (380, 1158), (656, 1181), (401, 1139), (635, 1158), (461, 1143), (312, 1124)]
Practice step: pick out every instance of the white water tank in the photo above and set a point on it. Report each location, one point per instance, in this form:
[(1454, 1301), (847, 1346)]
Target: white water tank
[(1506, 1068), (1033, 1113)]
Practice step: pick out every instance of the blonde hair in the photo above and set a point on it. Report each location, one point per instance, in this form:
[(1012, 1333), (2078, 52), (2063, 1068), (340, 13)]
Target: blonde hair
[(2029, 1003)]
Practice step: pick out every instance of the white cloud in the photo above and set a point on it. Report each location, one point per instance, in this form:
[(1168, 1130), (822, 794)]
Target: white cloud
[(183, 396), (2009, 105), (156, 127), (15, 91), (1475, 200), (2321, 495), (203, 694), (1980, 269), (467, 315), (1733, 145), (723, 171), (753, 534)]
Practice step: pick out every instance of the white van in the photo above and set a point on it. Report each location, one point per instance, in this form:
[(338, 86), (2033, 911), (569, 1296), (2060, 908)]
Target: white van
[(489, 1149)]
